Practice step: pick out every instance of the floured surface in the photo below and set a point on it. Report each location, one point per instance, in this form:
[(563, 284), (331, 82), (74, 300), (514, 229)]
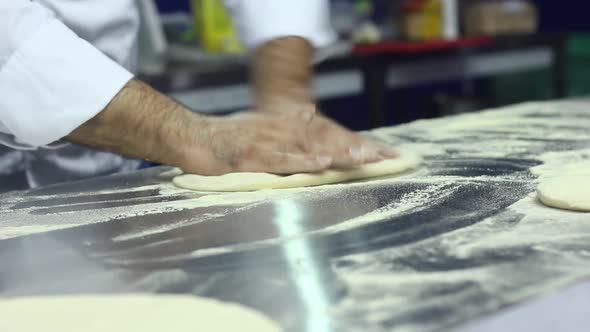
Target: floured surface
[(128, 313), (257, 181), (460, 238)]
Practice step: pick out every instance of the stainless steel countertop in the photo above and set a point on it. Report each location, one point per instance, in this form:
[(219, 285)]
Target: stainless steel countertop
[(455, 241)]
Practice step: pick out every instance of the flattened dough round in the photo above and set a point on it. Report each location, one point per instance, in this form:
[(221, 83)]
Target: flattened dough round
[(257, 181), (128, 313), (566, 192)]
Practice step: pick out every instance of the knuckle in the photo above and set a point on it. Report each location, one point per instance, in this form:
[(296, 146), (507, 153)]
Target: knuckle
[(247, 152), (280, 159), (241, 155), (281, 162)]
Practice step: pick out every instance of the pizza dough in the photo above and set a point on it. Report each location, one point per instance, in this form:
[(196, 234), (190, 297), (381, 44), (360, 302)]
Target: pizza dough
[(257, 181), (555, 170), (128, 313), (566, 192)]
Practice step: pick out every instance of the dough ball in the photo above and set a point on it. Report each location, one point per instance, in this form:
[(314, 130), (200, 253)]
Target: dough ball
[(566, 192), (128, 313)]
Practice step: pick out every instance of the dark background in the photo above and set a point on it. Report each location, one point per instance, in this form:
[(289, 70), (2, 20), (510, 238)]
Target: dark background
[(555, 15)]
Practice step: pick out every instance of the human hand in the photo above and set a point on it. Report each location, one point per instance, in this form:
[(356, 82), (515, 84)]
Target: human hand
[(347, 147), (327, 137), (254, 142)]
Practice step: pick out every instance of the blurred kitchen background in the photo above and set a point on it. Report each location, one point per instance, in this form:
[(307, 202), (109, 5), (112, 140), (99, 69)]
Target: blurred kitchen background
[(396, 61)]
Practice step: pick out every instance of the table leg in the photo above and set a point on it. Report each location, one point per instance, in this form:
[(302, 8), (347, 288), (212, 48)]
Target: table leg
[(560, 68), (375, 88)]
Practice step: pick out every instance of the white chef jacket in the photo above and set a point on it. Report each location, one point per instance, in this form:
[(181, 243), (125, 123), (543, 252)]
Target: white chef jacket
[(63, 61)]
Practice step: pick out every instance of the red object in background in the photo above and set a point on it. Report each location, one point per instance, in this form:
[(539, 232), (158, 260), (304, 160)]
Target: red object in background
[(413, 5), (409, 47)]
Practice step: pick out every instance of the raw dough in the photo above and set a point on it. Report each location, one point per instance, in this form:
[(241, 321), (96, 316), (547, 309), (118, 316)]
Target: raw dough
[(566, 192), (128, 313), (561, 169), (257, 181)]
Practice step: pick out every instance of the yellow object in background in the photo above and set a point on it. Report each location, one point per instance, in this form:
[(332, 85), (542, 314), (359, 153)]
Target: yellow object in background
[(422, 19), (214, 27)]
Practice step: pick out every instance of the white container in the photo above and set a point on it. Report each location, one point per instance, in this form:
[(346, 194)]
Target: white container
[(450, 19)]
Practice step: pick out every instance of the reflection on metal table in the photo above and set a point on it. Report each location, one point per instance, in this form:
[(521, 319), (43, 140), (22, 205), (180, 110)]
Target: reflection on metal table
[(451, 243)]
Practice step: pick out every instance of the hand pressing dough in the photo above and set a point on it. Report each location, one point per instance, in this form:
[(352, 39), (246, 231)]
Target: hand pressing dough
[(566, 192), (128, 313), (257, 181)]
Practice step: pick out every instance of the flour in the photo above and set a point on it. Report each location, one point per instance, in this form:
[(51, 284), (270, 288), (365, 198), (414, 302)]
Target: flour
[(528, 249), (463, 236), (20, 223), (539, 226), (385, 294), (524, 128), (409, 202), (164, 228), (8, 232), (440, 139)]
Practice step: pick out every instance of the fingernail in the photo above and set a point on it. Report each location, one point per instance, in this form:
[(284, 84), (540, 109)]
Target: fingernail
[(387, 152)]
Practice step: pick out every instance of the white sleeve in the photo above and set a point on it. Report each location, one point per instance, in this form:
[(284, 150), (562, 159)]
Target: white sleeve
[(259, 21), (51, 80)]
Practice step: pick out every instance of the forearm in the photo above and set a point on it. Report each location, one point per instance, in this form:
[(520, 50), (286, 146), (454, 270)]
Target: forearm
[(282, 72), (141, 123)]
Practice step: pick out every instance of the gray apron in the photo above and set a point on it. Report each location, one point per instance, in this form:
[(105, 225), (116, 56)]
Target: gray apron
[(31, 168)]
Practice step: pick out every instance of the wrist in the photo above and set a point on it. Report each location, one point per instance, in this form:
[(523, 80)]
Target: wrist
[(282, 71), (285, 100), (181, 134)]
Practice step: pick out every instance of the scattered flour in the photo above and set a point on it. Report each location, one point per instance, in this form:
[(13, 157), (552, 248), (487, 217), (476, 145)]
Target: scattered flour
[(525, 250), (520, 126), (165, 227), (409, 202)]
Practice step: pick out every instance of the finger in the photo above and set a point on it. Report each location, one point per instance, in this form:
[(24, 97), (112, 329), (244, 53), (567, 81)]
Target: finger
[(345, 153), (302, 163), (371, 154), (305, 136), (386, 151), (358, 151), (339, 148), (365, 153), (389, 153), (383, 150), (307, 114), (343, 158), (287, 163)]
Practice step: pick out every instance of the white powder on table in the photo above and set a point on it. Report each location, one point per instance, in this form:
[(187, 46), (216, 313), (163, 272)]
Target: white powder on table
[(448, 138)]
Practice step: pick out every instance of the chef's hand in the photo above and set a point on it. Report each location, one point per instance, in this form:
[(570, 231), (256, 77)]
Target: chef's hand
[(282, 75), (143, 123), (327, 137), (347, 147), (255, 142)]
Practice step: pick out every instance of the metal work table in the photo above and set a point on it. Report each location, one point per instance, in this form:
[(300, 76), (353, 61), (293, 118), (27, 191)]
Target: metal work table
[(452, 243)]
